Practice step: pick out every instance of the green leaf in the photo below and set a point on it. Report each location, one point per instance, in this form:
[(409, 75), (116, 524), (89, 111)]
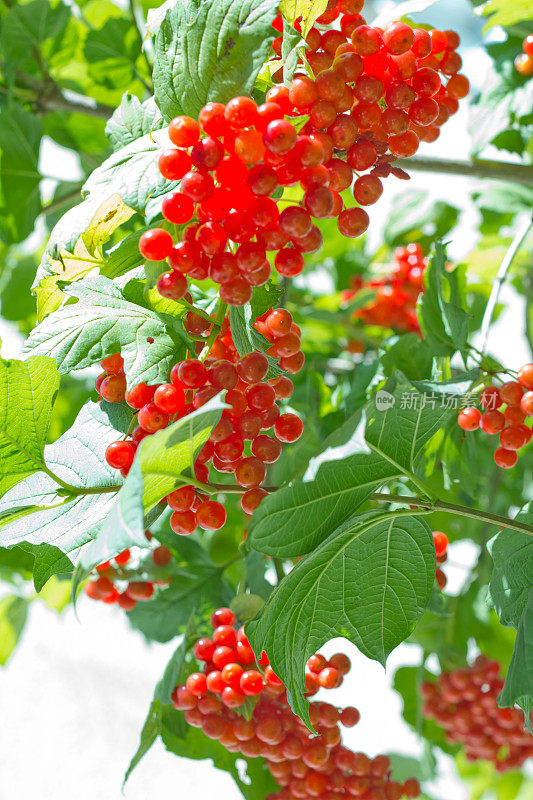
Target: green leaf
[(166, 455), (131, 172), (133, 119), (411, 355), (295, 519), (20, 202), (444, 322), (401, 420), (289, 51), (501, 12), (518, 686), (102, 323), (48, 561), (210, 50), (29, 25), (370, 582), (416, 218), (173, 669), (78, 458), (123, 526), (149, 734), (27, 394), (13, 612), (247, 339), (111, 48), (197, 586)]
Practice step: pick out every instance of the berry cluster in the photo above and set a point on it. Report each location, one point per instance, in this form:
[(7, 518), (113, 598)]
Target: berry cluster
[(374, 96), (464, 702), (441, 550), (104, 587), (524, 61), (305, 766), (253, 410), (517, 396), (395, 294)]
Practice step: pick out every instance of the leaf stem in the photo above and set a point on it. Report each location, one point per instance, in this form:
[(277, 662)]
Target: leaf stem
[(198, 311), (507, 261), (453, 508), (133, 14), (278, 566)]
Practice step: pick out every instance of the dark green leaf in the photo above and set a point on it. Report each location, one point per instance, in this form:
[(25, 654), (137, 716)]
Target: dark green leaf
[(20, 202), (369, 581), (444, 322), (210, 50), (411, 355), (247, 338), (173, 669), (518, 686)]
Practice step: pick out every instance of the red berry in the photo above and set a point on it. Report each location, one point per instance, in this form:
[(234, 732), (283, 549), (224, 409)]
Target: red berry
[(177, 208), (250, 472), (526, 403), (161, 556), (492, 422), (120, 455), (169, 398), (469, 418), (505, 458), (183, 522), (196, 684), (251, 499), (184, 131), (222, 616), (440, 541), (525, 376), (156, 244), (288, 427), (151, 419), (513, 437), (211, 515)]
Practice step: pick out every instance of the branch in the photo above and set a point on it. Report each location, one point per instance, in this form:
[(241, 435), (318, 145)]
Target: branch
[(452, 508), (514, 247), (479, 168), (60, 103), (61, 202)]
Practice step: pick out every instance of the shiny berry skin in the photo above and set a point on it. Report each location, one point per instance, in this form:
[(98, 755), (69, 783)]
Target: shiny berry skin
[(120, 455), (250, 472), (513, 437), (251, 683), (174, 163), (191, 373), (211, 515), (140, 395), (490, 398), (353, 222), (526, 403), (222, 616), (328, 678), (222, 656), (232, 698), (252, 367), (525, 376), (289, 262), (266, 449), (349, 717), (140, 590), (505, 458), (236, 292), (398, 38), (440, 541), (280, 136), (181, 499), (183, 522), (177, 208), (260, 396), (196, 684), (172, 285), (156, 244), (151, 419), (469, 418), (113, 388), (169, 398), (222, 374), (252, 499), (288, 428), (492, 422), (511, 393), (184, 131)]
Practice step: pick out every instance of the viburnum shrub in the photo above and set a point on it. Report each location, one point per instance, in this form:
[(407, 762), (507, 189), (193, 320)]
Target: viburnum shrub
[(249, 426)]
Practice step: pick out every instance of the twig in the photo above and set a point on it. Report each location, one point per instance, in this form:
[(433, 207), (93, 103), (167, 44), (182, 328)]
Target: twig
[(491, 170), (514, 247)]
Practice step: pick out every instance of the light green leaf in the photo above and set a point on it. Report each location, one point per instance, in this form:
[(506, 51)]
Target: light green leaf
[(27, 394), (210, 50), (13, 612), (29, 25), (166, 455), (131, 172), (309, 10), (133, 119), (518, 686), (173, 669), (501, 12), (78, 458), (102, 323), (123, 526), (370, 582)]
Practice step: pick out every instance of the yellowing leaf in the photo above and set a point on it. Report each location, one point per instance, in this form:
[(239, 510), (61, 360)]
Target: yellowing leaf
[(70, 267), (110, 215), (502, 12), (308, 10)]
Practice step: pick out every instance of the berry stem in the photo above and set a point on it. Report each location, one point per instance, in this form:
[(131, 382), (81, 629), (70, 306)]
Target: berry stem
[(507, 261), (198, 311), (278, 566), (215, 330), (452, 508)]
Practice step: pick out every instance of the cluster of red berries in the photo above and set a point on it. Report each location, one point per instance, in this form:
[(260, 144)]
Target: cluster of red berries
[(441, 542), (305, 766), (252, 412), (374, 91), (464, 703), (524, 61), (395, 295), (514, 434), (104, 588)]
